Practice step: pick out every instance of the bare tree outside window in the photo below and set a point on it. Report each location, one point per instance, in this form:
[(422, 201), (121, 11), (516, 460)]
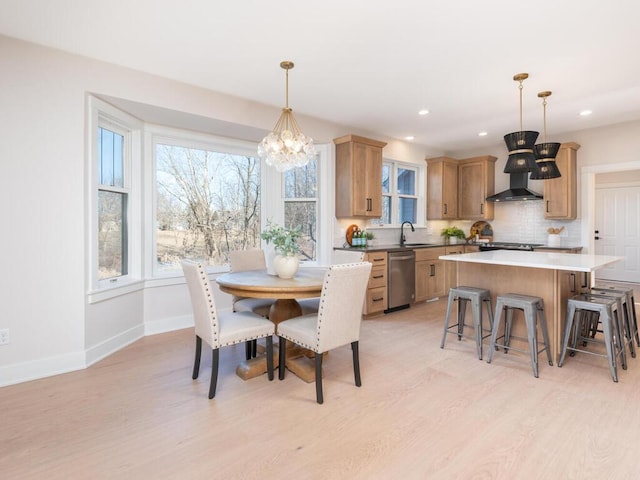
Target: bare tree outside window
[(208, 203), (300, 206)]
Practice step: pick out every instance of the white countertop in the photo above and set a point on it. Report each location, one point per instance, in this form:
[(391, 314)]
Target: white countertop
[(547, 260)]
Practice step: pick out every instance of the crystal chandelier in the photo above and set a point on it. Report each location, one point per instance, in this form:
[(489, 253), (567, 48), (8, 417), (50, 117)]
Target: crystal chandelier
[(545, 152), (286, 147), (520, 144)]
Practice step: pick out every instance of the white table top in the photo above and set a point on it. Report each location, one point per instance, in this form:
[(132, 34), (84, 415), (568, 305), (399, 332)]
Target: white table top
[(547, 260)]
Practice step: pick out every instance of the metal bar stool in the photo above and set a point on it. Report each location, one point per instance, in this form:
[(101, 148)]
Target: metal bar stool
[(631, 306), (624, 314), (533, 309), (606, 308), (477, 296)]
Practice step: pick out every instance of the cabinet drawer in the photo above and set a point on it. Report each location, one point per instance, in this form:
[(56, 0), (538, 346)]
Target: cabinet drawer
[(378, 277), (376, 300), (429, 253), (376, 258)]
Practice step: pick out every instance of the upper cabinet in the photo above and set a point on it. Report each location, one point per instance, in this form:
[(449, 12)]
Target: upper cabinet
[(476, 181), (560, 195), (358, 177), (442, 188), (457, 189)]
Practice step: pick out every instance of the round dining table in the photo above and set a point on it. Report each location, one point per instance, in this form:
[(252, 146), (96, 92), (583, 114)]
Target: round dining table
[(307, 283)]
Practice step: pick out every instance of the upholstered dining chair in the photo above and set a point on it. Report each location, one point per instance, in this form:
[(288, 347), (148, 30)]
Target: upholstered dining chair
[(311, 305), (221, 329), (337, 322), (251, 259)]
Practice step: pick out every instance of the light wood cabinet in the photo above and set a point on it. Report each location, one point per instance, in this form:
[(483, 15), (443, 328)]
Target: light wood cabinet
[(457, 189), (376, 297), (442, 188), (430, 273), (476, 181), (471, 248), (358, 177), (560, 194), (451, 268)]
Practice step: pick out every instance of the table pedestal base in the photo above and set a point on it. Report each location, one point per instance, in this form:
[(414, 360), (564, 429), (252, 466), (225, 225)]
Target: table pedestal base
[(300, 362)]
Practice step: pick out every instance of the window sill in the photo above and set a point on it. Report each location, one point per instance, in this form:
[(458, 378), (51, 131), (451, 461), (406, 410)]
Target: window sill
[(107, 293)]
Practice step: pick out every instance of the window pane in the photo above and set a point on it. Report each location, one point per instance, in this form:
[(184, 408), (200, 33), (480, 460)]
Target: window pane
[(112, 234), (302, 182), (406, 181), (110, 158), (407, 210), (386, 176), (208, 203), (303, 215)]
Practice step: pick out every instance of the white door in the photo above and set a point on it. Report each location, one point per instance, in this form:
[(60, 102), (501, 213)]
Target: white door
[(617, 229)]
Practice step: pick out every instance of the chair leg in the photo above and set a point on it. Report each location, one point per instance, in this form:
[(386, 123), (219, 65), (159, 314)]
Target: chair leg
[(319, 397), (215, 357), (247, 349), (282, 358), (196, 363), (356, 363), (270, 357), (254, 348)]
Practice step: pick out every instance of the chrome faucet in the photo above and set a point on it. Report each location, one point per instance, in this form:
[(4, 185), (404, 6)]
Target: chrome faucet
[(402, 237)]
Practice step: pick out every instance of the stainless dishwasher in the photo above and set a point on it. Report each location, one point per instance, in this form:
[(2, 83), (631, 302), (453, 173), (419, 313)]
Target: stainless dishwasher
[(401, 279)]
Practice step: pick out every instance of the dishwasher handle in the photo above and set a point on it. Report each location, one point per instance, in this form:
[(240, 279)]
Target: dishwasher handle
[(393, 258)]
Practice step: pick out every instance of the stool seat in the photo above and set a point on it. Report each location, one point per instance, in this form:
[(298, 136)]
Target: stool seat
[(533, 309), (607, 310), (477, 296)]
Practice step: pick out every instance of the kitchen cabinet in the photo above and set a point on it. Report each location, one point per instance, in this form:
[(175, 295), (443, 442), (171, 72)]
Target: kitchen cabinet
[(430, 273), (476, 181), (457, 189), (560, 194), (471, 248), (376, 297), (358, 177), (451, 268), (442, 188)]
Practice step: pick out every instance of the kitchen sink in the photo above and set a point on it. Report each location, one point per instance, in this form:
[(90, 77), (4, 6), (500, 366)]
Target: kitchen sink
[(418, 244)]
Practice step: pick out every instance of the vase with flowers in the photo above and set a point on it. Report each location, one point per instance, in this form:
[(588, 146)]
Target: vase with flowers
[(285, 247)]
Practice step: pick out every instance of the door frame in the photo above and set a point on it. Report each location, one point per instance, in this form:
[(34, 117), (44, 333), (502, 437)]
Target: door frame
[(588, 192)]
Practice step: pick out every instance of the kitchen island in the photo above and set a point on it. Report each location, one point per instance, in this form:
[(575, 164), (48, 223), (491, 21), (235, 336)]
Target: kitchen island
[(555, 277)]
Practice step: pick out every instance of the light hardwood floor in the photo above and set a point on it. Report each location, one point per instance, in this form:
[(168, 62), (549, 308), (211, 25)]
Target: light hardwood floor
[(421, 413)]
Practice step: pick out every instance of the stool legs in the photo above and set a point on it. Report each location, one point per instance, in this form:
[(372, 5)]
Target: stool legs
[(477, 298), (582, 308), (533, 309)]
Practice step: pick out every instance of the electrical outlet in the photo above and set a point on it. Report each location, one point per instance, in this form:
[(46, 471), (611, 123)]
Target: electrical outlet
[(4, 336)]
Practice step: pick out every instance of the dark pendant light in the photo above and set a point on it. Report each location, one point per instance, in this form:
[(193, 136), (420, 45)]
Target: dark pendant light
[(545, 152), (520, 144)]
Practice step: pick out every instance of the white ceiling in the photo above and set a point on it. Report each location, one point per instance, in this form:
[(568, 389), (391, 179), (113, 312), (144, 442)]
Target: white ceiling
[(369, 63)]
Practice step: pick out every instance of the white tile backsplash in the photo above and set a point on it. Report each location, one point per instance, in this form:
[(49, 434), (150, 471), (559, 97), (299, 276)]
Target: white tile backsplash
[(513, 222)]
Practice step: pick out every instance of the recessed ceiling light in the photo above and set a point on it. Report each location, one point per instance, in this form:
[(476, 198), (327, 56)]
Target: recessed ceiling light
[(482, 134), (585, 113), (423, 111), (409, 137)]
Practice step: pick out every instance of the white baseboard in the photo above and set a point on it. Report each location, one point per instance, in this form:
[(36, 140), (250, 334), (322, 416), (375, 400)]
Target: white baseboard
[(41, 368), (168, 324), (113, 344)]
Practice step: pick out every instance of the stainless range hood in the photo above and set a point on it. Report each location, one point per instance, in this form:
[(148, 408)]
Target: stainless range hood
[(517, 190)]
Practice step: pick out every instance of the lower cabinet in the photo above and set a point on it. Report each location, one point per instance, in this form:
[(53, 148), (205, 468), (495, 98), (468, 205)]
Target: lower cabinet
[(430, 273), (451, 268), (376, 299)]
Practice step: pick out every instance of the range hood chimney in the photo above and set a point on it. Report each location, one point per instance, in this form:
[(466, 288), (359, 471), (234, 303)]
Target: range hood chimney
[(518, 190)]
